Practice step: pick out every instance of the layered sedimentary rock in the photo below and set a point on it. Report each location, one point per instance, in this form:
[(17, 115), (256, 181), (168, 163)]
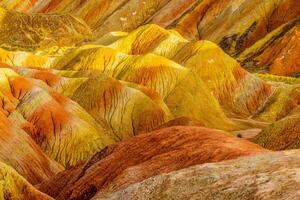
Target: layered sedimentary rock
[(153, 54), (14, 186), (278, 79), (126, 108), (238, 24), (63, 129), (284, 100), (236, 90), (230, 84), (234, 24), (144, 156), (277, 53), (20, 151), (182, 90), (265, 176), (98, 89)]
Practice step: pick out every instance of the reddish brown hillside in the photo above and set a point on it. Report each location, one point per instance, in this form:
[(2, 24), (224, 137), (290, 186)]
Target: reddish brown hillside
[(145, 156)]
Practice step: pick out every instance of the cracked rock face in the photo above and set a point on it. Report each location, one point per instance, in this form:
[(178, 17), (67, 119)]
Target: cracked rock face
[(264, 176)]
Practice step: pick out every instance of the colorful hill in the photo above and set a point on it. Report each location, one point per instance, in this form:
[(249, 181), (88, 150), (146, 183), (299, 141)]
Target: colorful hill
[(130, 99), (238, 92), (145, 156), (221, 73), (233, 24), (277, 53), (20, 151), (57, 124), (124, 107), (175, 84)]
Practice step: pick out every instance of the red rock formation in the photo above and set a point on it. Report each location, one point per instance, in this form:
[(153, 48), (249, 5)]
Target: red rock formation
[(144, 156)]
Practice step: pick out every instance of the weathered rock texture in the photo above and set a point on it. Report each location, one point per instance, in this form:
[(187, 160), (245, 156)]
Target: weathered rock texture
[(145, 156), (233, 24), (38, 31), (19, 150), (277, 53), (98, 87), (265, 176)]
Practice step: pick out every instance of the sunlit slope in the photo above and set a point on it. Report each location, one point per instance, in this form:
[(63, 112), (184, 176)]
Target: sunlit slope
[(63, 129), (145, 55), (37, 31), (235, 88), (14, 186), (26, 59), (182, 90), (277, 53), (126, 108), (284, 100)]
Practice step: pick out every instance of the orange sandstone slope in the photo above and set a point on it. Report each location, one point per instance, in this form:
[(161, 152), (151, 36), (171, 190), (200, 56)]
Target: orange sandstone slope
[(63, 129), (144, 156), (126, 108), (277, 53), (18, 150)]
